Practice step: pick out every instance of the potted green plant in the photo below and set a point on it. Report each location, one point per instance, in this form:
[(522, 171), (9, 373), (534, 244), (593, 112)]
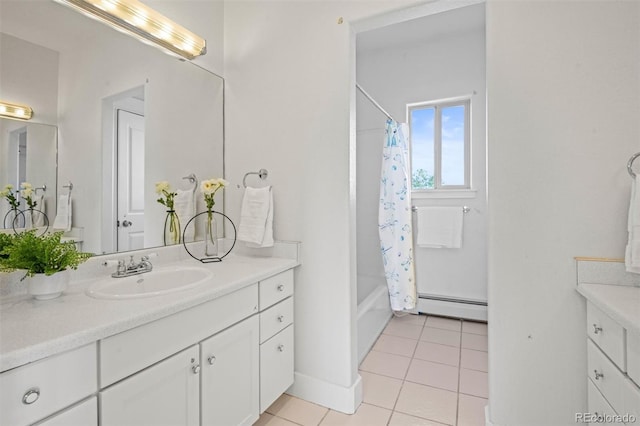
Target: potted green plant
[(46, 260)]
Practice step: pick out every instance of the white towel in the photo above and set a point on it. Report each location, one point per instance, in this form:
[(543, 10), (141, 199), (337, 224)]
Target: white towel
[(185, 207), (38, 218), (256, 217), (440, 227), (63, 215), (632, 253)]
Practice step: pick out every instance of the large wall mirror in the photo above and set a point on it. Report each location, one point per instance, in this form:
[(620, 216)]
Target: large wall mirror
[(124, 116)]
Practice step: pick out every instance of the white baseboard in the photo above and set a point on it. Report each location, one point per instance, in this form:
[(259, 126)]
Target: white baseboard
[(330, 395)]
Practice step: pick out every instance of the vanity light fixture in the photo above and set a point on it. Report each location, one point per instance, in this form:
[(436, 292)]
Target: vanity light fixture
[(10, 110), (141, 21)]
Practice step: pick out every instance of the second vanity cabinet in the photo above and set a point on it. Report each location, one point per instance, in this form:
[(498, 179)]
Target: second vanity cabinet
[(611, 363)]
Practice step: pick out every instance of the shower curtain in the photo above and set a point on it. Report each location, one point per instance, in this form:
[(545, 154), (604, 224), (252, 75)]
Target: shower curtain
[(394, 218)]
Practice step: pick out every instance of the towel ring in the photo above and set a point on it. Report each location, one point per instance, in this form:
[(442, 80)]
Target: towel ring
[(193, 179), (262, 173), (630, 164)]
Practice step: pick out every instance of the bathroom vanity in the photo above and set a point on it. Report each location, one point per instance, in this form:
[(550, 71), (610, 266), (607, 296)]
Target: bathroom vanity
[(613, 341), (216, 354)]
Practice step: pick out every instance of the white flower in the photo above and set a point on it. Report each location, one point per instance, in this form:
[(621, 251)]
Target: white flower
[(8, 187), (26, 185), (162, 186), (26, 193)]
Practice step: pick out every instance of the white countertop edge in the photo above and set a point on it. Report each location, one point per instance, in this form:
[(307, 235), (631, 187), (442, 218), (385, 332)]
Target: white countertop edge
[(30, 351), (621, 303)]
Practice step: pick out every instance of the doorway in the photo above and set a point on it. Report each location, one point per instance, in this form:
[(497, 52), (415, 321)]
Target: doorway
[(123, 185)]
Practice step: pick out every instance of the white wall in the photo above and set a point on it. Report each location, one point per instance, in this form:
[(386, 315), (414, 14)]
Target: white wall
[(288, 93), (438, 67), (563, 108)]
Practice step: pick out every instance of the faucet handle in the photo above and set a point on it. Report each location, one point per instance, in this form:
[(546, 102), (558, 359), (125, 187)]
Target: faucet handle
[(148, 256)]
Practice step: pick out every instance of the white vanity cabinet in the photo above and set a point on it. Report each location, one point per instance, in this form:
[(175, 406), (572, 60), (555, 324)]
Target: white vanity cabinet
[(611, 391), (276, 337), (34, 391)]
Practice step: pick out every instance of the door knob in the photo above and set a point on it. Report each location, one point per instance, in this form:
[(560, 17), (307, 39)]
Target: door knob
[(126, 223)]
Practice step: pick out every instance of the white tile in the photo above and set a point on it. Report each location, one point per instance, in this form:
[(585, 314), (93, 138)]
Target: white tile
[(474, 327), (475, 341), (386, 364), (395, 345), (365, 415), (474, 383), (428, 403), (267, 419), (409, 331), (443, 337), (297, 410), (409, 319), (443, 323), (432, 374), (474, 360), (436, 352), (381, 391), (471, 410), (400, 419)]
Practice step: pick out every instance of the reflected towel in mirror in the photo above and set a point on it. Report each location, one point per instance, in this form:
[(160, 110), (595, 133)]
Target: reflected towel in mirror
[(185, 206), (63, 215)]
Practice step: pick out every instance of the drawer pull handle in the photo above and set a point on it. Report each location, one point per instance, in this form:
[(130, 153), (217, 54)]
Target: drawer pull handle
[(281, 347), (596, 329), (31, 396), (280, 318), (598, 375), (211, 359), (195, 369), (280, 287)]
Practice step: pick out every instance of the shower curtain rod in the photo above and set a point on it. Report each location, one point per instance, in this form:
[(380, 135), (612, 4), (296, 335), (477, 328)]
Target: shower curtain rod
[(373, 101)]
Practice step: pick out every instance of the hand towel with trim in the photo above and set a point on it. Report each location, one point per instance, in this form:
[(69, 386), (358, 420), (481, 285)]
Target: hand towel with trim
[(440, 227), (63, 216), (256, 217), (632, 252)]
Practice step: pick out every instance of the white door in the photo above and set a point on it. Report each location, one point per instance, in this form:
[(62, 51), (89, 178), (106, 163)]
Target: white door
[(130, 165), (164, 394), (230, 386)]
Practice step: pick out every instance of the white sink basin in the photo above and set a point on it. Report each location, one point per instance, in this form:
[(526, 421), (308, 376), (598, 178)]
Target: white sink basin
[(159, 281)]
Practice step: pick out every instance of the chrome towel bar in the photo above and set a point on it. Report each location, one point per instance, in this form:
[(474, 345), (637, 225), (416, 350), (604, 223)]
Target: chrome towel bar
[(465, 209)]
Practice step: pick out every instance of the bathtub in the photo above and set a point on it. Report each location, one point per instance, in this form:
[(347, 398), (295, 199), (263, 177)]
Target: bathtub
[(374, 312)]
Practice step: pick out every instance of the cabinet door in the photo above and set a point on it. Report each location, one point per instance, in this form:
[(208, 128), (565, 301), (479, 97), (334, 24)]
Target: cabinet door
[(276, 367), (230, 376), (166, 393)]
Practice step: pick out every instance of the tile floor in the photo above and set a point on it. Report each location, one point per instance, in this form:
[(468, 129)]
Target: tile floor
[(423, 370)]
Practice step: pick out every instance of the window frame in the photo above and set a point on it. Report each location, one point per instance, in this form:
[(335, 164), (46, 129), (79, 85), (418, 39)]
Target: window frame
[(438, 105)]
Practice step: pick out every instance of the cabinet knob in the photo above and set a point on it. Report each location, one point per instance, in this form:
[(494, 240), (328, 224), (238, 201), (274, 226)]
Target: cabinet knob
[(211, 359), (598, 376), (596, 329), (280, 318), (31, 396), (195, 369), (281, 347), (280, 287)]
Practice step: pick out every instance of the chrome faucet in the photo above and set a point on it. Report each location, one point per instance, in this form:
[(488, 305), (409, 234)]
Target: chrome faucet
[(133, 268)]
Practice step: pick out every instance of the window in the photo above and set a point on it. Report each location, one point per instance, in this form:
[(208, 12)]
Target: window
[(440, 145)]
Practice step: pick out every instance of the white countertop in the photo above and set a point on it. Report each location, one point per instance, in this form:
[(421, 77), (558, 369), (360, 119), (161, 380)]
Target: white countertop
[(31, 330), (620, 302)]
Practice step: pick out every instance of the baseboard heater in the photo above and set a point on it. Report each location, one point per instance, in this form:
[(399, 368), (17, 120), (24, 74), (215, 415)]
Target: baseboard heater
[(472, 309)]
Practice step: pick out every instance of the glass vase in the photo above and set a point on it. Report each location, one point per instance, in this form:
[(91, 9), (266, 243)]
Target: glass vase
[(171, 228), (210, 235), (13, 219)]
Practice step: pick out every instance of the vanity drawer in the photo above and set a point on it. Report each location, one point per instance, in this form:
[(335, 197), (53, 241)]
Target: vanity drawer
[(276, 367), (607, 334), (633, 356), (631, 399), (597, 405), (130, 351), (607, 378), (276, 288), (275, 319), (37, 390)]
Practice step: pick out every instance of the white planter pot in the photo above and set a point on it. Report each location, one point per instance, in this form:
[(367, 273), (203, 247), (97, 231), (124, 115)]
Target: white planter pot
[(44, 287)]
